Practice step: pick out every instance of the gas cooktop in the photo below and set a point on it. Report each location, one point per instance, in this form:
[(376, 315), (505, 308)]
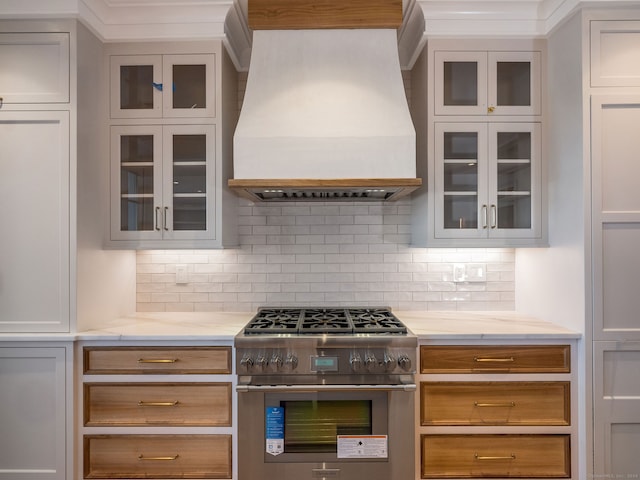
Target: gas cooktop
[(322, 320)]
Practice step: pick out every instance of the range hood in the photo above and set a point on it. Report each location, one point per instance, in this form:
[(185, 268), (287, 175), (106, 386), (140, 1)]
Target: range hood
[(324, 117)]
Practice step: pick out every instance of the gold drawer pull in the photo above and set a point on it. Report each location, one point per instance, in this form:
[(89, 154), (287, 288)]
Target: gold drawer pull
[(505, 404), (483, 359), (169, 458), (484, 457), (158, 360), (142, 403)]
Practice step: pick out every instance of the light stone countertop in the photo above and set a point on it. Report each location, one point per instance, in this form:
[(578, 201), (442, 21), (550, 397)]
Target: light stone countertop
[(223, 326)]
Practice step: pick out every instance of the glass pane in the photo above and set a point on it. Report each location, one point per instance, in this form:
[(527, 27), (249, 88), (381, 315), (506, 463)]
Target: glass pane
[(136, 87), (189, 148), (514, 145), (136, 148), (514, 83), (460, 177), (514, 177), (136, 214), (136, 180), (189, 86), (461, 145), (312, 426), (460, 83), (189, 179), (189, 213), (461, 211), (514, 211)]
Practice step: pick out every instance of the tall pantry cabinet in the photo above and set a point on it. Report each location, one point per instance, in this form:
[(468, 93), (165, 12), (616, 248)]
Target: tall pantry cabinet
[(42, 154), (615, 169)]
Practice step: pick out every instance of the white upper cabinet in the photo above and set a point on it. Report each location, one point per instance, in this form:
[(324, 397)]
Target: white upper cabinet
[(35, 68), (487, 180), (163, 183), (163, 86), (487, 83)]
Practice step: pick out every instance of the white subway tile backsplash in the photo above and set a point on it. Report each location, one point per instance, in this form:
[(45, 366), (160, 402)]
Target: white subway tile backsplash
[(323, 254)]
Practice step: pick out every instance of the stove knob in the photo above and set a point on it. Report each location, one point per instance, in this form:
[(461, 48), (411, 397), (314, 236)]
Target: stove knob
[(404, 362), (246, 362), (389, 362), (371, 362), (275, 363), (356, 362), (261, 363), (291, 362)]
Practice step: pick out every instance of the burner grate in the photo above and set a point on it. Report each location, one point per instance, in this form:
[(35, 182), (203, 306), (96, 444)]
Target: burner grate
[(319, 320)]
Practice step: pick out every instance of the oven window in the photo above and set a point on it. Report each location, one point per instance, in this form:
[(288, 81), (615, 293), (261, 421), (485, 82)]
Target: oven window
[(311, 426)]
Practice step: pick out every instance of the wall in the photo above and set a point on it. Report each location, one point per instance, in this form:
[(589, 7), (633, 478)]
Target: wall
[(323, 254)]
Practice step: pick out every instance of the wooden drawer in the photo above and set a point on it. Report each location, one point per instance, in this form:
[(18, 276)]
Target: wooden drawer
[(157, 360), (187, 404), (495, 403), (490, 456), (498, 358), (157, 456)]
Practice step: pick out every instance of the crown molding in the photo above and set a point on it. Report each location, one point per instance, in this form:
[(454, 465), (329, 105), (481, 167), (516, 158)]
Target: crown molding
[(150, 20)]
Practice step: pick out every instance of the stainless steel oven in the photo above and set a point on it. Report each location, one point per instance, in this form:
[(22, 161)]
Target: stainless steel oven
[(319, 404)]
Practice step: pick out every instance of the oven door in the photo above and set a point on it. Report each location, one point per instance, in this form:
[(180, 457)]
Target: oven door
[(326, 431)]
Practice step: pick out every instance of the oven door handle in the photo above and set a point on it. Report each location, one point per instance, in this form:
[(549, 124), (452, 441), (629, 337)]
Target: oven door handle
[(408, 387)]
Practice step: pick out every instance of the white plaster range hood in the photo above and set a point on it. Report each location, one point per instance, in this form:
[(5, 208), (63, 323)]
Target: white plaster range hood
[(324, 117)]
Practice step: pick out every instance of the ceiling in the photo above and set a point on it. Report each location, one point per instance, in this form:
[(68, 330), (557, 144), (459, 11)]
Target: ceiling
[(132, 20)]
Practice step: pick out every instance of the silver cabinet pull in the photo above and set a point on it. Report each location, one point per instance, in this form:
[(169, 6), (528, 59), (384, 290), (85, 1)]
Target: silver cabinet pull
[(484, 216), (164, 220), (494, 216), (157, 218)]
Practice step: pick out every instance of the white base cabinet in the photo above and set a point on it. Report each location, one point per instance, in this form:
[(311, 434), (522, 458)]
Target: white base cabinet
[(36, 401)]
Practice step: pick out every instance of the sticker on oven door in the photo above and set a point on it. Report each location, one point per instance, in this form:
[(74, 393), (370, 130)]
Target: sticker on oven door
[(274, 430), (362, 446)]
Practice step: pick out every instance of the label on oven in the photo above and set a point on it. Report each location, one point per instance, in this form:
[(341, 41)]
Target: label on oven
[(274, 430), (362, 446)]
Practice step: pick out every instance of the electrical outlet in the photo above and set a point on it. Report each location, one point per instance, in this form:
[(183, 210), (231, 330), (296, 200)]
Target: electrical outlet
[(182, 276), (469, 272)]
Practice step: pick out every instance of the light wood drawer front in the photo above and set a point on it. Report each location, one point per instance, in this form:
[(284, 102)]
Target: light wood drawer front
[(495, 403), (158, 360), (488, 358), (478, 456), (201, 404), (157, 456)]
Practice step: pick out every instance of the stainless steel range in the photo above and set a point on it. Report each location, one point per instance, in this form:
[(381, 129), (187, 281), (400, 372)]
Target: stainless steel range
[(326, 393)]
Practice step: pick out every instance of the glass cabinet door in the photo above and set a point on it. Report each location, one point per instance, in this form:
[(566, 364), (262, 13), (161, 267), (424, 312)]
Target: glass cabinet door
[(136, 86), (192, 92), (157, 86), (460, 83), (514, 179), (136, 169), (487, 83), (189, 152), (514, 83), (460, 179)]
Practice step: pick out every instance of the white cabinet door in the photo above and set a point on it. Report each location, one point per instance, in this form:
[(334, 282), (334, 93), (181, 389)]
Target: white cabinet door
[(35, 68), (157, 86), (615, 216), (136, 183), (35, 240), (33, 419)]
